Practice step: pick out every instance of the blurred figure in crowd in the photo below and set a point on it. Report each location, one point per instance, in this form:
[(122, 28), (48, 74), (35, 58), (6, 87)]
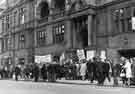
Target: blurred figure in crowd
[(77, 71), (127, 67), (83, 69), (17, 72), (44, 72), (35, 72), (91, 70)]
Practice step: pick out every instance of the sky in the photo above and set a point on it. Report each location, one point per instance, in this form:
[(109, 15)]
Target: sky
[(2, 2)]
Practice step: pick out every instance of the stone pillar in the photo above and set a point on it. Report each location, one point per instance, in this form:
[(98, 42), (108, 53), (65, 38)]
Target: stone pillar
[(90, 30), (74, 34), (68, 34), (49, 34), (35, 39), (77, 42)]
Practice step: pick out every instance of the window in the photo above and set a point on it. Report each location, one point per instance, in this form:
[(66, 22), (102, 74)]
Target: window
[(116, 19), (116, 14), (134, 12), (15, 15), (21, 15), (7, 22), (129, 24), (21, 41), (9, 42), (44, 10), (3, 24), (122, 25), (2, 45), (60, 4), (41, 37), (123, 17), (128, 11), (11, 20), (5, 43), (116, 23), (121, 12), (58, 33)]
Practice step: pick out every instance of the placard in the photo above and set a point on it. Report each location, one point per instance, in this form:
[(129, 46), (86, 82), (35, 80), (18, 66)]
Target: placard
[(103, 54), (133, 23), (90, 54), (43, 59), (80, 54)]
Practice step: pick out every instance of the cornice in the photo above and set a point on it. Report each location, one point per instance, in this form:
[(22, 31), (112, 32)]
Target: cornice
[(112, 3), (21, 3), (90, 6)]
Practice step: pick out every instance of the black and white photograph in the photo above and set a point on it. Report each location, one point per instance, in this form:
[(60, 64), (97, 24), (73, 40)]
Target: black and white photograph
[(67, 46)]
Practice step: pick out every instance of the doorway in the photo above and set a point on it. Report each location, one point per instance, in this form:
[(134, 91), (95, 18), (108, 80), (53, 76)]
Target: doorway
[(81, 27)]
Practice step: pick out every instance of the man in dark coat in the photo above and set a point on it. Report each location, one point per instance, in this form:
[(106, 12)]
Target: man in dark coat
[(99, 71), (44, 72), (17, 72), (51, 72), (91, 70), (35, 72), (116, 73), (107, 67)]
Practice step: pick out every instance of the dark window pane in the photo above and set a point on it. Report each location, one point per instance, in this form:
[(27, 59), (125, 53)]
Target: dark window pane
[(58, 33), (41, 38), (121, 11), (129, 23), (122, 25), (117, 25), (128, 11), (134, 11)]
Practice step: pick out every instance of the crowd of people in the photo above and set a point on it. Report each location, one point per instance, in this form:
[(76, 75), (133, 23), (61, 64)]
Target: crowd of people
[(127, 71), (92, 70)]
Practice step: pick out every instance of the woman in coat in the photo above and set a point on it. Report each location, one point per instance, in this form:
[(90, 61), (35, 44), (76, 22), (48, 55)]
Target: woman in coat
[(83, 69), (127, 67)]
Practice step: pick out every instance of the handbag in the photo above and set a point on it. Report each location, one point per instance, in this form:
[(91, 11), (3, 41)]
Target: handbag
[(122, 74)]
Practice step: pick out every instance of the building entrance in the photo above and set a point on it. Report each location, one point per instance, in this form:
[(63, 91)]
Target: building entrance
[(81, 30), (127, 53)]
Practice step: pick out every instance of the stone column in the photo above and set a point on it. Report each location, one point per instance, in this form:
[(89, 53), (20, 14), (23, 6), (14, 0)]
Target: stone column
[(36, 17), (77, 42), (68, 34), (90, 30), (74, 34)]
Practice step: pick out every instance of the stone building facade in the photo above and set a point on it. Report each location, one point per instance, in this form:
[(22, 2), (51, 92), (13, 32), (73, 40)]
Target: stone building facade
[(114, 29), (41, 27), (17, 25)]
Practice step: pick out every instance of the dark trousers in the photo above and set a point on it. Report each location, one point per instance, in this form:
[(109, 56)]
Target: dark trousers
[(101, 78), (36, 78), (51, 76), (16, 77), (91, 76)]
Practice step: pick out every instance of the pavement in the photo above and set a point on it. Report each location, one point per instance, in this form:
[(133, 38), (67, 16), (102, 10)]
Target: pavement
[(29, 87), (85, 82)]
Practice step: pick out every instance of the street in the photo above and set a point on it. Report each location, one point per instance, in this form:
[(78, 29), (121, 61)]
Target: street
[(21, 87)]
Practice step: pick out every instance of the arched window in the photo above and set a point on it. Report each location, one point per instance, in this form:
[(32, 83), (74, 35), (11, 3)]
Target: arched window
[(44, 9), (60, 4)]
